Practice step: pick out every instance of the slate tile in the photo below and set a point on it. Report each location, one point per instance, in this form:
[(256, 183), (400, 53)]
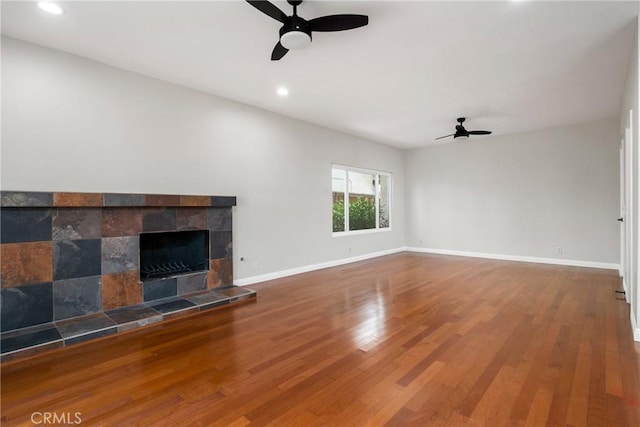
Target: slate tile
[(84, 325), (77, 297), (219, 219), (118, 222), (157, 289), (162, 200), (208, 300), (77, 200), (120, 254), (29, 337), (76, 224), (158, 219), (26, 263), (172, 306), (76, 258), (124, 199), (133, 316), (221, 244), (23, 199), (220, 273), (235, 291), (223, 201), (25, 306), (201, 201), (25, 225), (191, 219), (189, 283), (121, 289)]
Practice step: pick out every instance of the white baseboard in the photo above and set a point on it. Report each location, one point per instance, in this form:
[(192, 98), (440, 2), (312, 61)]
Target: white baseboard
[(634, 328), (539, 260), (305, 269), (312, 267)]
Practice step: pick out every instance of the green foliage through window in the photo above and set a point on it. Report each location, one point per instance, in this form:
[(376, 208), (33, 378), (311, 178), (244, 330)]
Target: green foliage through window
[(362, 214)]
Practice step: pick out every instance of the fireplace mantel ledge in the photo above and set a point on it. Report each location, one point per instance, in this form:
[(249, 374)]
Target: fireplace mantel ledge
[(32, 199)]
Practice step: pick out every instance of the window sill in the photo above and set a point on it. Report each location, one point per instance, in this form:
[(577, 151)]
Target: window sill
[(358, 232)]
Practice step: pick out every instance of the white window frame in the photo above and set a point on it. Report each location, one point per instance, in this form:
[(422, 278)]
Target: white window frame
[(377, 174)]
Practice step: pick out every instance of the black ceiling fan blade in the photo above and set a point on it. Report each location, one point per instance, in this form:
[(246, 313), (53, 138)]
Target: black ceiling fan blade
[(338, 22), (479, 132), (278, 52), (446, 136), (268, 9)]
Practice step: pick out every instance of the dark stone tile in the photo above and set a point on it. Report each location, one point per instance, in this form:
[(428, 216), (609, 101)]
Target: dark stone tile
[(31, 351), (76, 258), (221, 244), (77, 297), (172, 306), (190, 283), (140, 314), (219, 219), (124, 200), (75, 224), (77, 200), (121, 289), (120, 254), (191, 219), (25, 306), (118, 222), (25, 225), (83, 325), (90, 336), (29, 337), (26, 263), (22, 199), (208, 300), (159, 219), (223, 201), (159, 289), (235, 291)]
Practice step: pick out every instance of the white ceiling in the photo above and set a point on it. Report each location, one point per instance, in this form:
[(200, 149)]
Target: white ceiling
[(402, 80)]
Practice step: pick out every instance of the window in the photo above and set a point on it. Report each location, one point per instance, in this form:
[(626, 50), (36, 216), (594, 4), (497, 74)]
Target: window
[(361, 199)]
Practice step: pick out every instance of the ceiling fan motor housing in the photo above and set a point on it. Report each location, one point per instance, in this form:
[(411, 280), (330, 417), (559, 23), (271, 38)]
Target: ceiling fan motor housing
[(295, 33)]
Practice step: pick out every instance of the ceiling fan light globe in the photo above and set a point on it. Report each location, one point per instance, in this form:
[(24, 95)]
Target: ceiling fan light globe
[(461, 137), (295, 40)]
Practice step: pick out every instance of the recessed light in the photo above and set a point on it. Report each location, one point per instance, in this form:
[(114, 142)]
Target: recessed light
[(50, 7), (282, 91)]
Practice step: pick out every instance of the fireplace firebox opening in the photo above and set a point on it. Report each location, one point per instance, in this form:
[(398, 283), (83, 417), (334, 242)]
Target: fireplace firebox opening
[(168, 254)]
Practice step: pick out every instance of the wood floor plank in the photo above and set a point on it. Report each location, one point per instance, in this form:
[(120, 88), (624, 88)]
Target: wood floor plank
[(405, 339)]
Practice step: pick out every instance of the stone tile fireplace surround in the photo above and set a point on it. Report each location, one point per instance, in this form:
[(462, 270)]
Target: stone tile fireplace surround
[(76, 255)]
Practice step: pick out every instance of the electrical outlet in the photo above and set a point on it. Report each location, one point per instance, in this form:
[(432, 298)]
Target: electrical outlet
[(255, 265), (420, 242), (558, 249)]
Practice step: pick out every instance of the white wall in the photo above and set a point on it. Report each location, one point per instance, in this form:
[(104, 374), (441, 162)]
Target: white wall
[(630, 103), (72, 124), (519, 195)]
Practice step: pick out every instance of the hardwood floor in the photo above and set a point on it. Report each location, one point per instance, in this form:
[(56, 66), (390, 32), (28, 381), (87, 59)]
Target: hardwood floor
[(407, 339)]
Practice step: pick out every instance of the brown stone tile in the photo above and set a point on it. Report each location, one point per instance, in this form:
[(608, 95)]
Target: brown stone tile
[(220, 273), (162, 200), (191, 218), (26, 263), (77, 199), (121, 289), (198, 201), (118, 222)]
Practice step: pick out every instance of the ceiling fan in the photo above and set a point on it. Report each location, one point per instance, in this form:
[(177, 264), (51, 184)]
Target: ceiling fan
[(462, 133), (296, 31)]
